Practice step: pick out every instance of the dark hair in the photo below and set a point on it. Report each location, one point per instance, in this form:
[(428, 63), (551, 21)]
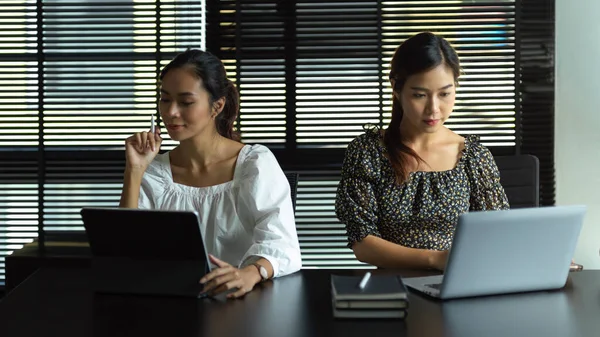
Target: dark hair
[(211, 71), (417, 54)]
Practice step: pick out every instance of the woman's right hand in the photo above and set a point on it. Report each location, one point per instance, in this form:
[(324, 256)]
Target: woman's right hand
[(141, 148)]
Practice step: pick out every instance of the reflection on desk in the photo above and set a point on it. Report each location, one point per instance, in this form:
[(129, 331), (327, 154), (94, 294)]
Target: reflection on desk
[(294, 306), (547, 314), (60, 302)]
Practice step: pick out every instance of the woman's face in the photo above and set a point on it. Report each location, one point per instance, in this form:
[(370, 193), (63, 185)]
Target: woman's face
[(428, 99), (185, 105)]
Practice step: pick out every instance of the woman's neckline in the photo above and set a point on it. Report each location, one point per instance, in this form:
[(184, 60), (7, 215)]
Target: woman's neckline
[(468, 141), (239, 159)]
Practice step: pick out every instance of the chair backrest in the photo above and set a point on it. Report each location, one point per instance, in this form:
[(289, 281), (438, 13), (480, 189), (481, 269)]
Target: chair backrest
[(292, 178), (520, 177)]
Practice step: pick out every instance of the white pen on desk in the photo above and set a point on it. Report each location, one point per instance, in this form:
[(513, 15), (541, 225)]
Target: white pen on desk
[(152, 124), (365, 279)]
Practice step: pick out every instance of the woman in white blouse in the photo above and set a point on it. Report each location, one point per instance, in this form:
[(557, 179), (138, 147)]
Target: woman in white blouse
[(240, 192)]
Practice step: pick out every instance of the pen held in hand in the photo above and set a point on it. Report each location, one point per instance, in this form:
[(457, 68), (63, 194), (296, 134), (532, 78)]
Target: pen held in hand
[(152, 124), (365, 279)]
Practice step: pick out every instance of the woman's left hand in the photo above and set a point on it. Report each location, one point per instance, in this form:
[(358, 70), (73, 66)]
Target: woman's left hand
[(227, 277)]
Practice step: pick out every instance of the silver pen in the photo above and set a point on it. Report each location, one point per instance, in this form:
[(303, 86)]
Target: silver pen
[(365, 279), (152, 124)]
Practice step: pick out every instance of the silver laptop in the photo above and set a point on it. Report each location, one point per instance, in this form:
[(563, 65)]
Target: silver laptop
[(510, 251)]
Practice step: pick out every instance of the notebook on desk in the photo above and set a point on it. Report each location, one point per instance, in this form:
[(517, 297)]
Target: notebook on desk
[(383, 296), (145, 252), (379, 287)]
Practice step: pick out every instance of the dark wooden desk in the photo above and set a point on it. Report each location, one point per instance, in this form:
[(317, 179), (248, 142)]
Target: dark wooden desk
[(59, 302)]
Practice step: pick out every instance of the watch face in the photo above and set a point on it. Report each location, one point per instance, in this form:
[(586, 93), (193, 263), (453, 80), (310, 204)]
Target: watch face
[(263, 273)]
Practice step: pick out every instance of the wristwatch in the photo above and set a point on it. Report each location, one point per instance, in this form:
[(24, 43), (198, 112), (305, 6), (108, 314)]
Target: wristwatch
[(264, 274)]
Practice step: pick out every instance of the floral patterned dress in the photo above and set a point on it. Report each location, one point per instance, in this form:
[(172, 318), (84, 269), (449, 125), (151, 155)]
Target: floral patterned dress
[(423, 211)]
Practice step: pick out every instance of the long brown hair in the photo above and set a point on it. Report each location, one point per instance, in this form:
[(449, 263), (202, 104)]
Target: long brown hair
[(417, 54)]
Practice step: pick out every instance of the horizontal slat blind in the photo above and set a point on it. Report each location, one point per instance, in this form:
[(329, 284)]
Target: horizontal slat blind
[(19, 183), (261, 72), (100, 87), (90, 80), (337, 54), (18, 102), (323, 239), (73, 183), (337, 74), (222, 28), (337, 91), (18, 75), (78, 77)]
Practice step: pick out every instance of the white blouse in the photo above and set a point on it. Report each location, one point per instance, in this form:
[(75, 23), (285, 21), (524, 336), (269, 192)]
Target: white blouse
[(241, 220)]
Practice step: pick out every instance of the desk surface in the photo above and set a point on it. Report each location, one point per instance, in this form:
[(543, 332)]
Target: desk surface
[(59, 302)]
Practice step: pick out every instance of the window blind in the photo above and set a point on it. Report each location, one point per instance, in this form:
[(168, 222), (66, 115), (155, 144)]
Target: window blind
[(338, 71), (76, 79), (331, 61), (19, 92), (323, 239), (261, 73)]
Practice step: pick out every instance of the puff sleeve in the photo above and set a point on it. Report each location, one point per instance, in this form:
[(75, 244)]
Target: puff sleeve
[(356, 202), (484, 180), (265, 197)]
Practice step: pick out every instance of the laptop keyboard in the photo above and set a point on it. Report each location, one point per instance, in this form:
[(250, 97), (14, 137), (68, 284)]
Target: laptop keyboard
[(434, 285)]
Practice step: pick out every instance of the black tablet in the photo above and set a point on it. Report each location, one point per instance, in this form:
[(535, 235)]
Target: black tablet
[(146, 252)]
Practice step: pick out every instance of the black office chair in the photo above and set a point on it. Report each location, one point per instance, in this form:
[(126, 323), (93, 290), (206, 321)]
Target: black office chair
[(292, 178), (520, 177)]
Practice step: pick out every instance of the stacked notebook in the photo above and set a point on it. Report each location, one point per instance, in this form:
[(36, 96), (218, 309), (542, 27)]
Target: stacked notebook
[(383, 296)]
